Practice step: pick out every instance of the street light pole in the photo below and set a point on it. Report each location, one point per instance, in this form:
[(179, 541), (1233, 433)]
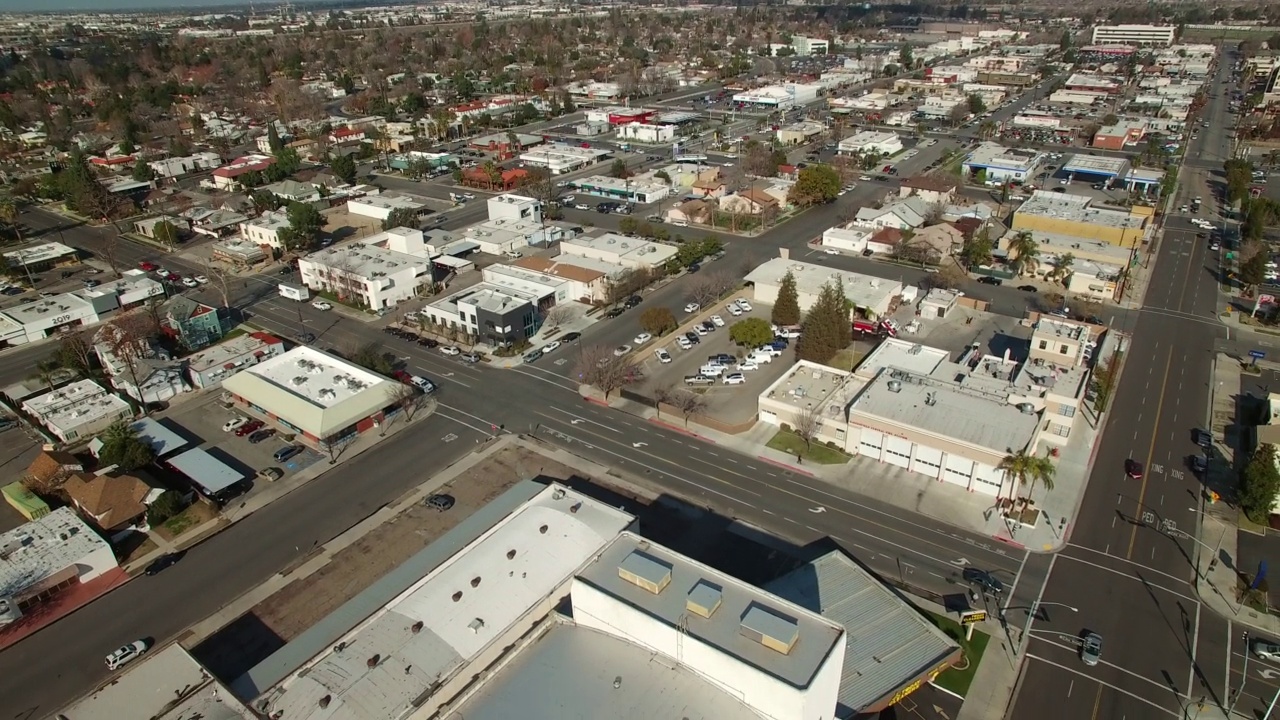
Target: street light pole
[(1244, 677)]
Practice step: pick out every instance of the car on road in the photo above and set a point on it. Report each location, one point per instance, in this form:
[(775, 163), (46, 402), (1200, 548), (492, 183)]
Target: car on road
[(91, 283), (1028, 288), (1204, 438), (126, 654), (450, 350), (633, 301), (422, 384), (234, 423), (1133, 469), (1265, 649), (147, 266), (568, 338), (321, 305), (831, 251), (581, 206), (439, 502), (1199, 464), (553, 345), (992, 281), (287, 452), (621, 350), (984, 580), (305, 337), (691, 307), (164, 561), (734, 379), (613, 313), (1090, 648), (251, 426), (259, 435), (864, 178), (642, 338), (662, 355)]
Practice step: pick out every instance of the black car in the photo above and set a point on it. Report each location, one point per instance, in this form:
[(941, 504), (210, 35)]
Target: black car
[(695, 267), (258, 436), (633, 301), (305, 338), (428, 342), (1028, 288), (287, 452), (439, 502), (615, 312), (164, 561), (692, 337), (570, 337), (984, 580), (988, 280)]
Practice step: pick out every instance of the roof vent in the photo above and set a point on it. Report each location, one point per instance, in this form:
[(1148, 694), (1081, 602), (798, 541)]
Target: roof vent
[(895, 386), (769, 628), (704, 599), (645, 571), (476, 625)]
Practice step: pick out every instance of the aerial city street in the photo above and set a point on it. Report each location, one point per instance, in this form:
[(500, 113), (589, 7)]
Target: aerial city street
[(602, 361)]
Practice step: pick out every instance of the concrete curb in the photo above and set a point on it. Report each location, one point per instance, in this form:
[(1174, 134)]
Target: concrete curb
[(682, 431), (784, 466)]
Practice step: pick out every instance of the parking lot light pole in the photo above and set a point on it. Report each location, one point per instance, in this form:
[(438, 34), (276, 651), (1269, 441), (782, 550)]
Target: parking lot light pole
[(1035, 607)]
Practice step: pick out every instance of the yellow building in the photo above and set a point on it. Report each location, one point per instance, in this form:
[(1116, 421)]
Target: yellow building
[(1076, 216)]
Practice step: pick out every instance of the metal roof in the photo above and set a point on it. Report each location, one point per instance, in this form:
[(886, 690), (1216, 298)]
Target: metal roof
[(206, 470), (890, 642)]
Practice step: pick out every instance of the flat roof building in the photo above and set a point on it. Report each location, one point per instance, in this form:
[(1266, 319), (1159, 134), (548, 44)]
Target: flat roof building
[(77, 411), (45, 316), (165, 684), (619, 250), (41, 256), (871, 295), (1140, 35), (1095, 165), (209, 366), (365, 273), (1001, 164), (870, 141), (559, 158), (212, 477), (1076, 215), (631, 190), (45, 556), (380, 207), (318, 396)]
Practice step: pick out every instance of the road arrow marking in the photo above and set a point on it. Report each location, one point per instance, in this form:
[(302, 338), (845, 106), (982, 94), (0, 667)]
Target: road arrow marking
[(941, 713), (1269, 674), (960, 563), (818, 509), (575, 421), (638, 444)]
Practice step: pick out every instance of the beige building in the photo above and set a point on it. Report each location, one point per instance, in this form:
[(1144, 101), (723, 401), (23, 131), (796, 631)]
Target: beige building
[(1077, 216), (911, 406)]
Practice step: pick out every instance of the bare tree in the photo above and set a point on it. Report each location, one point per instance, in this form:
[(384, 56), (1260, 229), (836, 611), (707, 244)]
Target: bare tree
[(723, 282), (406, 397), (558, 315), (129, 341), (847, 212), (1249, 249), (703, 290), (76, 352), (220, 278), (808, 423), (689, 404), (600, 368), (935, 212), (106, 206)]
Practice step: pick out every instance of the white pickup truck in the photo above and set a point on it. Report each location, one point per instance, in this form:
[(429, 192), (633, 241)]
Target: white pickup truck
[(294, 292)]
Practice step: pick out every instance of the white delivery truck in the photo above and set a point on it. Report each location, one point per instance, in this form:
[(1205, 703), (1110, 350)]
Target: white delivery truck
[(293, 292)]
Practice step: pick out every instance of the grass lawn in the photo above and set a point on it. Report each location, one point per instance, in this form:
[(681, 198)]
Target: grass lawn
[(194, 516), (846, 359), (792, 444), (958, 680)]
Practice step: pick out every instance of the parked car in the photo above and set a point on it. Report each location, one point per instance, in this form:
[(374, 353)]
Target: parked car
[(711, 370), (164, 561), (692, 337), (321, 305), (717, 320), (186, 281), (126, 654), (633, 301), (270, 474), (621, 350), (743, 305), (1266, 649), (691, 307), (734, 379), (258, 436), (569, 337), (249, 427), (553, 345), (663, 356), (234, 423), (470, 358), (683, 343), (287, 452), (450, 350), (439, 502), (992, 281), (699, 380), (1028, 288), (642, 338)]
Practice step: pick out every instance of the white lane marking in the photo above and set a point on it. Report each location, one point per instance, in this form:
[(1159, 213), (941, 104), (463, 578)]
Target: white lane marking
[(1188, 598), (593, 422), (1108, 685)]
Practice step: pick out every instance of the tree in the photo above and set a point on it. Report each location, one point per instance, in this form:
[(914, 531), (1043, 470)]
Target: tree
[(142, 172), (905, 58), (976, 104), (786, 310), (166, 505), (9, 215), (751, 333), (1254, 272), (273, 139), (808, 423), (958, 115), (618, 168), (165, 232), (558, 315), (1109, 119), (305, 224), (688, 403), (406, 397), (976, 251), (1028, 470), (74, 352), (598, 367), (826, 326), (371, 356), (344, 167), (1104, 381), (1062, 267), (1025, 252), (658, 321), (122, 446), (401, 217), (950, 276), (815, 184), (1260, 484)]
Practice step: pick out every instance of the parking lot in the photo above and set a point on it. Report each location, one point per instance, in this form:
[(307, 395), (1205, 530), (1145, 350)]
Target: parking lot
[(200, 421), (729, 403)]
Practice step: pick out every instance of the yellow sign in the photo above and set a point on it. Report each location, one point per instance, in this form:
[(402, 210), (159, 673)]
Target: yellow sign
[(973, 616), (904, 692)]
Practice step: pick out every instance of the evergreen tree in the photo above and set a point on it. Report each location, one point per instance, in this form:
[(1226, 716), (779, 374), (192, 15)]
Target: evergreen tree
[(824, 327), (1261, 483), (273, 139), (786, 311), (842, 311)]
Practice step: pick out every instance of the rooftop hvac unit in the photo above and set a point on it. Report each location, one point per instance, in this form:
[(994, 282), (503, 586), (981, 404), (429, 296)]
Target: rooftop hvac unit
[(1027, 408), (895, 386)]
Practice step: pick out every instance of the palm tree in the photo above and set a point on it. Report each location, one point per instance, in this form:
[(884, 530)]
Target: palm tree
[(1025, 251), (1028, 470), (1062, 267), (986, 129)]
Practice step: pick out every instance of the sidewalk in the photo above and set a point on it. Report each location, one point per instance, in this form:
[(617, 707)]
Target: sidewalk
[(945, 502), (269, 492)]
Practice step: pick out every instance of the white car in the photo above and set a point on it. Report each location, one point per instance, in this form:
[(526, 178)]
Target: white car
[(748, 365), (768, 350), (423, 384), (550, 346), (321, 305), (126, 654), (201, 279), (700, 329), (190, 282), (734, 310), (759, 357), (642, 338), (831, 251), (683, 343), (450, 350), (716, 320), (664, 357), (621, 350), (711, 370), (865, 178), (788, 333), (234, 423), (691, 307), (744, 305), (734, 379)]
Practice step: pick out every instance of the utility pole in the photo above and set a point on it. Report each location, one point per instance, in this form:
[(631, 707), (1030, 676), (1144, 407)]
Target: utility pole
[(1244, 677)]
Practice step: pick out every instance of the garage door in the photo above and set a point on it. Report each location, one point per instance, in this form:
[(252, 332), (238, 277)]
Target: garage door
[(959, 470), (897, 451), (986, 479), (927, 461), (870, 443)]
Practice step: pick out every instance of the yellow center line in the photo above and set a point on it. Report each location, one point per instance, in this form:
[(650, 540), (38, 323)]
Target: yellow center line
[(1097, 702), (1155, 433)]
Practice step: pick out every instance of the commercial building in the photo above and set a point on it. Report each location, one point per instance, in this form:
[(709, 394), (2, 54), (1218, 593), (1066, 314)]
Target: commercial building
[(238, 252), (559, 158), (179, 166), (44, 317), (380, 207), (1116, 137), (208, 475), (46, 556), (77, 411), (620, 115), (910, 405), (619, 250), (779, 96), (324, 399), (630, 190), (1095, 167), (645, 133), (996, 163), (1076, 216), (508, 237), (210, 366), (588, 279), (164, 684), (871, 296), (497, 316), (366, 274), (871, 141), (514, 207), (42, 256), (264, 230), (810, 46), (799, 133), (1140, 35)]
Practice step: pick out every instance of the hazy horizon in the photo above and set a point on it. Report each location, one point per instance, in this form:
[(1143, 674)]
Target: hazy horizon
[(60, 6)]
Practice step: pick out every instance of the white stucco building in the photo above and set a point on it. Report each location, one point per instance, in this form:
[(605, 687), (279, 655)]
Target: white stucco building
[(870, 141), (77, 411), (619, 250), (365, 274), (46, 556), (870, 295), (265, 229)]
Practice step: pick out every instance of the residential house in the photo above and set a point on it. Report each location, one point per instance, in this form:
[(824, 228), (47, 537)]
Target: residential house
[(586, 284), (931, 244), (264, 230), (228, 176), (751, 201), (192, 324), (884, 241), (904, 215), (51, 468), (930, 188), (691, 211), (347, 135), (147, 228), (708, 185), (215, 223), (113, 503), (294, 191)]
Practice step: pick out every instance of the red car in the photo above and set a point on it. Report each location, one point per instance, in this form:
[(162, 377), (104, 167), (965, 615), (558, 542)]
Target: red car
[(249, 427), (147, 266), (173, 277), (402, 376)]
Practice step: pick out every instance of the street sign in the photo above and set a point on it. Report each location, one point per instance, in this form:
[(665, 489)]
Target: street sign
[(1257, 354), (970, 617)]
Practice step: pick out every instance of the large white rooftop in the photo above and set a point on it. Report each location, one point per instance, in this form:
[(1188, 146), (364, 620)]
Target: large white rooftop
[(634, 250), (167, 684), (314, 391), (1076, 208), (360, 260), (69, 305), (385, 667), (33, 552), (864, 291), (903, 355), (73, 405), (36, 254), (995, 155)]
